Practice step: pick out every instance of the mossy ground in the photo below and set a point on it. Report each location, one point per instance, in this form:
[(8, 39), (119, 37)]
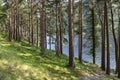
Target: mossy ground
[(20, 61)]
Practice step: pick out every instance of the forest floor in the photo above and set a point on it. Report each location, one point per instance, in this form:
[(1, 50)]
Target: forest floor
[(20, 61)]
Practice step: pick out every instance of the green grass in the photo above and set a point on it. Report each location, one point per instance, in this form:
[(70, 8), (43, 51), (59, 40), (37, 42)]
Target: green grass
[(21, 61)]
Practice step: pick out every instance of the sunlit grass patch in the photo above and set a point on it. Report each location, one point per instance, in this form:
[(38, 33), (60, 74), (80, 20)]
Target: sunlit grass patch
[(19, 71), (24, 54), (5, 44)]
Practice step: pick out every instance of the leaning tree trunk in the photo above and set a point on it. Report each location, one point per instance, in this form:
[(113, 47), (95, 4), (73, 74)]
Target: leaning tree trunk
[(114, 37)]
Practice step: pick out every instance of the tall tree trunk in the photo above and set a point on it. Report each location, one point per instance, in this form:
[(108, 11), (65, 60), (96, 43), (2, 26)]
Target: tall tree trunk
[(32, 33), (13, 21), (21, 26), (119, 47), (10, 24), (45, 30), (80, 31), (107, 36), (103, 42), (71, 34), (37, 31), (61, 25), (50, 34), (29, 39), (16, 21), (93, 32), (57, 33), (42, 26)]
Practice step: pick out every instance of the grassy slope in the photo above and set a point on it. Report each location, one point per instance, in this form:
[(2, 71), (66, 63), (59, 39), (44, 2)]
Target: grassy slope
[(19, 61)]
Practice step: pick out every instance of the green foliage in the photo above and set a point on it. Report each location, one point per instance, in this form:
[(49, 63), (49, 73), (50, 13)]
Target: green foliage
[(3, 15)]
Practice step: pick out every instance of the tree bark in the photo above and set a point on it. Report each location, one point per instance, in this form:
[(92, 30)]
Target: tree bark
[(114, 37), (103, 42), (80, 32), (42, 27), (119, 48), (93, 32), (71, 34), (61, 25), (107, 36), (57, 33)]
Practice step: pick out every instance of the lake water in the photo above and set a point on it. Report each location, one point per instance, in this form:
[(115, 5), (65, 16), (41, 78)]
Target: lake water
[(86, 55)]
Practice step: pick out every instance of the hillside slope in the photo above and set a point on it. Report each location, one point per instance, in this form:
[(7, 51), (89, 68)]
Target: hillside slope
[(20, 61)]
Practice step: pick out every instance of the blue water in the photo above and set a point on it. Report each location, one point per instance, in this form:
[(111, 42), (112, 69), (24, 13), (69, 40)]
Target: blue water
[(86, 55)]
